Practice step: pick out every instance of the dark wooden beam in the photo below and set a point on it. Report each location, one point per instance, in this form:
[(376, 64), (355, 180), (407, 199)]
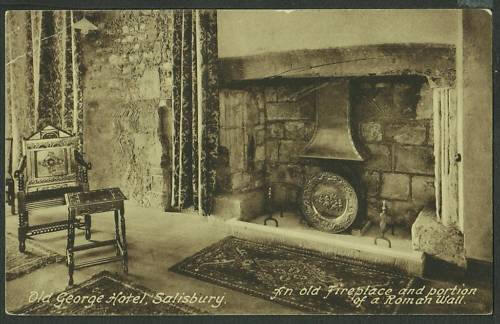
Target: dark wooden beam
[(435, 61)]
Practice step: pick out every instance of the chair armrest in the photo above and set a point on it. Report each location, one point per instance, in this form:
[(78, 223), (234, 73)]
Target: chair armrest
[(22, 166), (79, 158), (19, 175)]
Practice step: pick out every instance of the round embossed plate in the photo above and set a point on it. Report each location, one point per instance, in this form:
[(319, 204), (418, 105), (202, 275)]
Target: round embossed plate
[(329, 202)]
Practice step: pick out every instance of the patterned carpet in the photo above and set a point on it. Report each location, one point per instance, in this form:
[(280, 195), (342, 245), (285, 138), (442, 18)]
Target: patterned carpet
[(309, 282), (18, 264), (119, 297)]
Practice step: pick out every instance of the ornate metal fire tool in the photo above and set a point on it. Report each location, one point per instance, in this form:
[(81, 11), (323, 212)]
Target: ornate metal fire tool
[(384, 223), (269, 208)]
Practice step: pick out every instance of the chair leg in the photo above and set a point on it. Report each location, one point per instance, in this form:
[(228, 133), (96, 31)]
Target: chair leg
[(23, 225), (88, 225), (70, 244), (11, 196)]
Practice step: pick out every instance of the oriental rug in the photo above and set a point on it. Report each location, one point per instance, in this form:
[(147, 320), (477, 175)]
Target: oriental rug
[(298, 278), (119, 297), (35, 257)]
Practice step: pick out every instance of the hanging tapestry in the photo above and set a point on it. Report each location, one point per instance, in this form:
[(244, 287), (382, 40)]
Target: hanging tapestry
[(195, 106), (43, 74)]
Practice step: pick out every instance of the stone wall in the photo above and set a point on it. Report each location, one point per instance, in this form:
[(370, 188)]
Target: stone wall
[(263, 130), (290, 124), (394, 119), (392, 115), (126, 91)]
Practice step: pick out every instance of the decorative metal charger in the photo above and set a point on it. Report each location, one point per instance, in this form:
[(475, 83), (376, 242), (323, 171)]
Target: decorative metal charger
[(329, 202)]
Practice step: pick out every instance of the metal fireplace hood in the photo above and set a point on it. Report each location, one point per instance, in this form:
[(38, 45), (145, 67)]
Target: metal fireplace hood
[(332, 138)]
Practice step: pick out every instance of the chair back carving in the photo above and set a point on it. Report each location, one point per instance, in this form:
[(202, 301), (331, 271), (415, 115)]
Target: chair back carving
[(50, 160)]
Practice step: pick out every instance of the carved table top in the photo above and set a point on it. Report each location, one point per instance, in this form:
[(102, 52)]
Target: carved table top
[(92, 197)]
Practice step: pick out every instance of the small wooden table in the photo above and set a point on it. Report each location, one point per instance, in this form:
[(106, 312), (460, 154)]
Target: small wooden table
[(93, 202)]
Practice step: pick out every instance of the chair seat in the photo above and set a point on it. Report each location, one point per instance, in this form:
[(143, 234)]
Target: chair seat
[(50, 194), (48, 198)]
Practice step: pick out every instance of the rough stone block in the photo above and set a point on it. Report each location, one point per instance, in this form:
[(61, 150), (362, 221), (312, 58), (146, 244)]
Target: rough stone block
[(430, 139), (270, 94), (262, 117), (312, 169), (307, 107), (405, 99), (414, 159), (433, 238), (422, 190), (294, 130), (258, 96), (371, 179), (290, 150), (240, 180), (406, 133), (309, 128), (260, 166), (371, 132), (276, 130), (158, 171), (251, 117), (395, 186), (158, 183), (284, 111), (424, 105), (115, 60), (373, 210), (272, 150), (402, 212), (291, 173), (244, 206), (258, 183), (156, 200), (260, 152), (260, 136), (379, 157), (149, 85)]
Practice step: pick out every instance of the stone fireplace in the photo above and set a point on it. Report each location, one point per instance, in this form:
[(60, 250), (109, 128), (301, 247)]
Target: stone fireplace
[(392, 120), (268, 119)]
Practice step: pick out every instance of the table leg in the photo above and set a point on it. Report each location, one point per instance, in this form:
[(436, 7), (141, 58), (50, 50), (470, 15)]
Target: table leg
[(70, 245), (88, 225), (124, 239), (117, 233)]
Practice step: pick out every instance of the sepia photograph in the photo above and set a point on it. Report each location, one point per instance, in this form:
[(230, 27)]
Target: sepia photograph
[(248, 162)]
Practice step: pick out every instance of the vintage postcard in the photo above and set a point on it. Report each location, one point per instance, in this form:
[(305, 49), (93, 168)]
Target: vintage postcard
[(187, 162)]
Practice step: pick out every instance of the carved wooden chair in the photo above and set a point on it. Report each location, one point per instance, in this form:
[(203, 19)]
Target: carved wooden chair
[(51, 166)]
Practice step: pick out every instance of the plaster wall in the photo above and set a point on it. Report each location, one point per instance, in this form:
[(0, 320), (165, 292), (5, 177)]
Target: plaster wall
[(475, 75), (252, 32)]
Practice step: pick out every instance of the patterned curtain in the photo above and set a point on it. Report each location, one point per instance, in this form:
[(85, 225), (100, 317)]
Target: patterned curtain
[(195, 106), (42, 74)]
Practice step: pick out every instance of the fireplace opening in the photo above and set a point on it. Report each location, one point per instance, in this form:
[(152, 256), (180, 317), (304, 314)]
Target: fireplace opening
[(266, 126)]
